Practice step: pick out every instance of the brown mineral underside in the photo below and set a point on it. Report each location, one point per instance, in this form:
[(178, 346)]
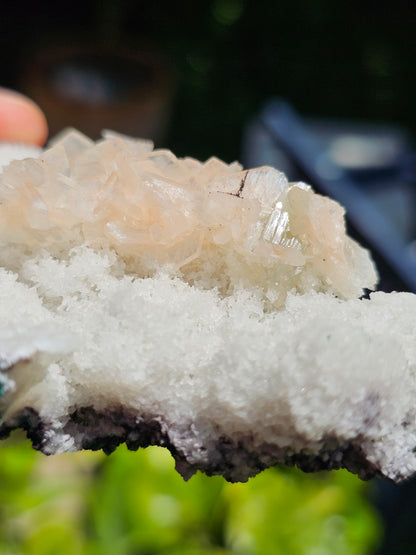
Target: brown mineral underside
[(235, 460)]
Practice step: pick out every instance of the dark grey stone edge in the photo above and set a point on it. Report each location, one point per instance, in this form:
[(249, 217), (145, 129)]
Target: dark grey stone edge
[(235, 459)]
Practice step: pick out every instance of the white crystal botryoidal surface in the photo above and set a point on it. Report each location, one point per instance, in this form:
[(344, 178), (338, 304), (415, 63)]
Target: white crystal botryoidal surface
[(150, 300)]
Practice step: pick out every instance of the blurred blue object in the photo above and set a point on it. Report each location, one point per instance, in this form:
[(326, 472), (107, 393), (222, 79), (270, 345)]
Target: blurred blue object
[(370, 170)]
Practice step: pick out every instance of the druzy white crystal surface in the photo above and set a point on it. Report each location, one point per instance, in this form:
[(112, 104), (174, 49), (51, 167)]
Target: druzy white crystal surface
[(151, 300)]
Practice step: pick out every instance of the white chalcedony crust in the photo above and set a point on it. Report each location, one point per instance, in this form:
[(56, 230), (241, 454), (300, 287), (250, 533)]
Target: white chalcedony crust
[(153, 300)]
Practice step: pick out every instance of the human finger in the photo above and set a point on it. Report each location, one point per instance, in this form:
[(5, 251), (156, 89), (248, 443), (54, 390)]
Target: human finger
[(21, 120)]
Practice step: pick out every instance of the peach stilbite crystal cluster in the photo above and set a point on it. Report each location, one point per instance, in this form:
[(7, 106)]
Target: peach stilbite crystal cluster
[(213, 223), (212, 310)]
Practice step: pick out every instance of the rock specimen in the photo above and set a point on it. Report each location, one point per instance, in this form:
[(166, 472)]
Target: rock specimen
[(148, 299)]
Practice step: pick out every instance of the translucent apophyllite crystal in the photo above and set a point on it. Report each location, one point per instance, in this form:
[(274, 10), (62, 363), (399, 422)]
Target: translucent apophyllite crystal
[(151, 300), (215, 224)]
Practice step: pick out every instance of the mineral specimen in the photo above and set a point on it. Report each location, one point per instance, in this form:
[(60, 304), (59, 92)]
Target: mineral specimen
[(212, 223), (148, 299)]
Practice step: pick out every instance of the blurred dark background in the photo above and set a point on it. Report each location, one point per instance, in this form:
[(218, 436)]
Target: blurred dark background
[(196, 75), (217, 61)]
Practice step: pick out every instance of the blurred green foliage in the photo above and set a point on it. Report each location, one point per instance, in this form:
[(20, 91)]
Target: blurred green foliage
[(135, 503)]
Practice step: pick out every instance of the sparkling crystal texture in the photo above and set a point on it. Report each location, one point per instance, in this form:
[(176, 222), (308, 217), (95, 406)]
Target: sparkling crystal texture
[(213, 310), (208, 221)]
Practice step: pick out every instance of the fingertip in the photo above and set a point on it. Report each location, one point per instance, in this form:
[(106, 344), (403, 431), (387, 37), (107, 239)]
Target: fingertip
[(21, 120)]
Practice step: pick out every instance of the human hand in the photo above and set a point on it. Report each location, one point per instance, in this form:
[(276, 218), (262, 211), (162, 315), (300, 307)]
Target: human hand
[(21, 120)]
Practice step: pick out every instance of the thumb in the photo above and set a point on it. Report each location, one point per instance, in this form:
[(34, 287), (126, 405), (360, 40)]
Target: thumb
[(21, 120)]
